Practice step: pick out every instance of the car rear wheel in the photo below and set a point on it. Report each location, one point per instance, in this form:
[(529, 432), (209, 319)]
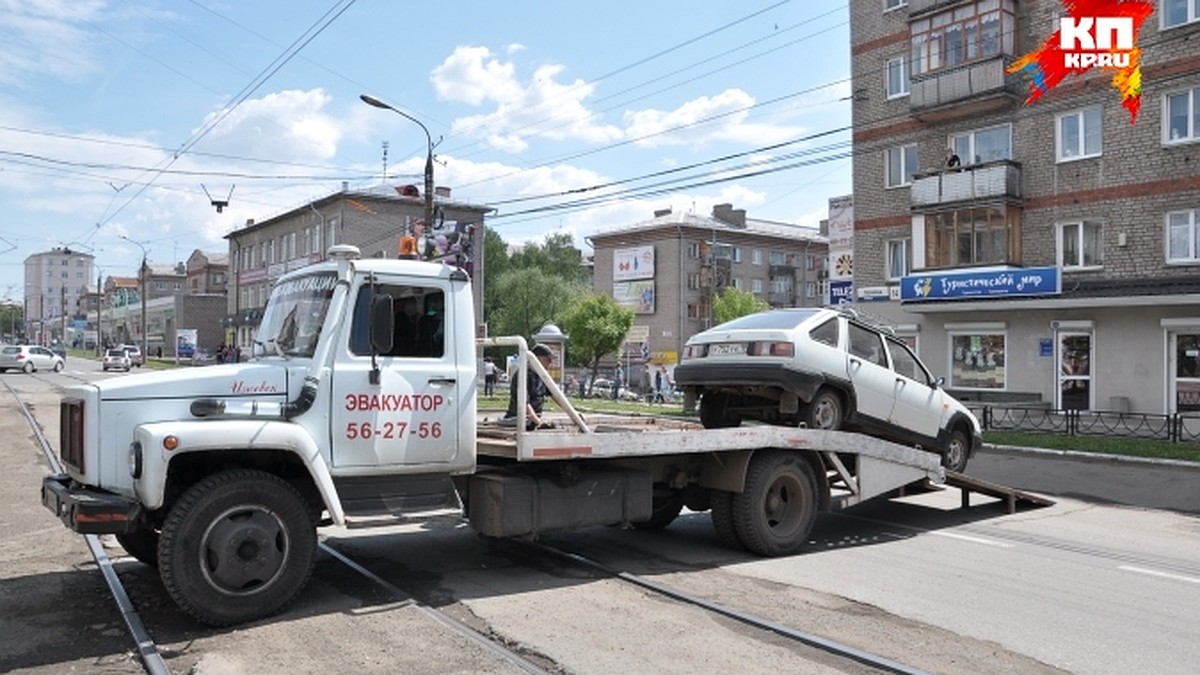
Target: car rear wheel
[(28, 367), (713, 413), (825, 411)]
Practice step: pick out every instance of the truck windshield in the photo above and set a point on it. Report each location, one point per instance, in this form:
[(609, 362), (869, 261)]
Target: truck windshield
[(294, 315)]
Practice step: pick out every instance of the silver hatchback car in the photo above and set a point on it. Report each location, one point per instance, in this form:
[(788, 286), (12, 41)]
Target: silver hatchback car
[(28, 358)]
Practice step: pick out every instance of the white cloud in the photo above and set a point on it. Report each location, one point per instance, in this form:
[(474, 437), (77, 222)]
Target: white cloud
[(704, 120), (287, 126), (543, 106), (47, 37), (514, 48)]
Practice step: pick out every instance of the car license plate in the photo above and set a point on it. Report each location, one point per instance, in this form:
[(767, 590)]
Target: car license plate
[(727, 349)]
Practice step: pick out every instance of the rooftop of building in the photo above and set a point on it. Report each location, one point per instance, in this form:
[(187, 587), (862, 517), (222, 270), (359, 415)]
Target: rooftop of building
[(724, 218)]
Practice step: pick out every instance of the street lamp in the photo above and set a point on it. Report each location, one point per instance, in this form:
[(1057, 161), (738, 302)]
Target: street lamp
[(371, 100), (142, 274)]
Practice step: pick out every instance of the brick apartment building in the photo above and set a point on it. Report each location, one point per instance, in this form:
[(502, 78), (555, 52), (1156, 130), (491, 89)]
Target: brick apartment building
[(668, 268), (1083, 228)]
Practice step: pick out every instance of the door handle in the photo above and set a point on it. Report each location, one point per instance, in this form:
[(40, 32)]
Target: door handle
[(899, 380), (442, 380)]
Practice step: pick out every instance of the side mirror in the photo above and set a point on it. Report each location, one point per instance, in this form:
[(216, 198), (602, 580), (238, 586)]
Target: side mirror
[(383, 324), (940, 382)]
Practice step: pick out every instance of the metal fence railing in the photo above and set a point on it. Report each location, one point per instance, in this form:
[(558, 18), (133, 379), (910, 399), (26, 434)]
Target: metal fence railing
[(1173, 427)]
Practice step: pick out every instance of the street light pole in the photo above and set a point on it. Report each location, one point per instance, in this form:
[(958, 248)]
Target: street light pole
[(371, 100), (142, 274)]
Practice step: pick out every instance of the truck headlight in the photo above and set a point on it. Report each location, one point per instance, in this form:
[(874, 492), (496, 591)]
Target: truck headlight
[(135, 459)]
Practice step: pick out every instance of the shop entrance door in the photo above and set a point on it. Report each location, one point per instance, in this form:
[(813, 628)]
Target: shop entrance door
[(1074, 370)]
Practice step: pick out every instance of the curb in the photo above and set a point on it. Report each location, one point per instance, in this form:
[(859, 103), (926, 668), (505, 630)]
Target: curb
[(1093, 456)]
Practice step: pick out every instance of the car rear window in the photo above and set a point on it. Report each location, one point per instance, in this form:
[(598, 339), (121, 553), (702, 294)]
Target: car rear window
[(781, 319), (116, 352), (11, 350)]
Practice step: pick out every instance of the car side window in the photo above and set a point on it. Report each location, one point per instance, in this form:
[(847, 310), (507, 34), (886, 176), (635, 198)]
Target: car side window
[(826, 333), (906, 363), (866, 345)]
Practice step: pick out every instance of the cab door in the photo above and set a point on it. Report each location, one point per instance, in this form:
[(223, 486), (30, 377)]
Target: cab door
[(409, 417)]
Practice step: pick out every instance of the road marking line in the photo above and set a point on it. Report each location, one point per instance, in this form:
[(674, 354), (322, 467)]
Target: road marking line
[(977, 540), (1156, 573)]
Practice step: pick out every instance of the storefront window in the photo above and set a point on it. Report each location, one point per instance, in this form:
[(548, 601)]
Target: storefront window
[(977, 361)]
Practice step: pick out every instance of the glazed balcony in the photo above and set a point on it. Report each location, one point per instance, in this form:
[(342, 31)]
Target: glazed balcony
[(962, 91)]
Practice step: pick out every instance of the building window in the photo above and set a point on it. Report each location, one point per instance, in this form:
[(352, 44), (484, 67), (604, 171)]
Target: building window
[(781, 285), (810, 261), (900, 165), (693, 282), (983, 145), (756, 257), (1181, 118), (1183, 236), (1080, 245), (896, 75), (810, 289), (778, 258), (694, 250), (889, 5), (331, 234), (973, 236), (756, 286), (737, 283), (977, 360), (736, 253), (1179, 12), (899, 252), (969, 32), (1079, 135)]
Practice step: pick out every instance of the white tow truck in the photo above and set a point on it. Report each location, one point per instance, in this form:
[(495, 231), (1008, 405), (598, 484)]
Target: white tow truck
[(359, 401)]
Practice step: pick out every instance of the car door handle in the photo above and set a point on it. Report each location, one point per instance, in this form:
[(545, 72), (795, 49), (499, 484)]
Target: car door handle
[(899, 380), (442, 380)]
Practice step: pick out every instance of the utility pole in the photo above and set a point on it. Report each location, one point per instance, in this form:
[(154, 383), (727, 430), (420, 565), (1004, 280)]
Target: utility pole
[(99, 312), (143, 275), (62, 308)]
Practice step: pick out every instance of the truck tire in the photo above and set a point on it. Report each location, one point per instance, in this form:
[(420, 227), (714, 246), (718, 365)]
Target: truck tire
[(954, 457), (775, 513), (713, 414), (722, 519), (825, 411), (142, 545), (237, 546)]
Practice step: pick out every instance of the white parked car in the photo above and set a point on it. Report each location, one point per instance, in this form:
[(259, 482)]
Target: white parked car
[(117, 359), (28, 358), (825, 369)]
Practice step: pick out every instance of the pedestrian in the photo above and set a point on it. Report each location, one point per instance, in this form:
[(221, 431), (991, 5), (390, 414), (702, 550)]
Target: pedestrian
[(535, 390), (658, 386), (489, 377), (616, 384)]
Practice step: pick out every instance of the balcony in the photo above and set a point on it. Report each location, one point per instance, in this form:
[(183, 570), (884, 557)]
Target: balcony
[(781, 270), (993, 180), (963, 91), (919, 7)]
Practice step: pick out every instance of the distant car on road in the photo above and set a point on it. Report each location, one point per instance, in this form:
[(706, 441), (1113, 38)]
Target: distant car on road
[(827, 369), (117, 359), (28, 358), (135, 354)]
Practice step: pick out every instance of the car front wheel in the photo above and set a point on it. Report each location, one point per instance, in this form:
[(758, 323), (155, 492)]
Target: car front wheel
[(954, 457), (58, 367)]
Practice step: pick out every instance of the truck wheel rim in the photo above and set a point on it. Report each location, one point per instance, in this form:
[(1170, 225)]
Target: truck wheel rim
[(244, 550), (782, 504)]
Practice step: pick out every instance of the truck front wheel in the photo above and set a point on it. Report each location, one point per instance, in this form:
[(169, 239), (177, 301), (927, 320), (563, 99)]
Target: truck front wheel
[(776, 511), (236, 547)]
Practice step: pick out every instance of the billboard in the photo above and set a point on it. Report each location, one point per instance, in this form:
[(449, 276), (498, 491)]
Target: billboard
[(636, 295), (630, 264)]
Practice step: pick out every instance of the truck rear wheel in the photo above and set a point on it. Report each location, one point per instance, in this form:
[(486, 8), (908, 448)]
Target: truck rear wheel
[(237, 546), (722, 519), (775, 513), (667, 505), (142, 545)]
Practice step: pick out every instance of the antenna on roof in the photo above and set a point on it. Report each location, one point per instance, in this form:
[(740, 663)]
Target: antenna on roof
[(220, 204)]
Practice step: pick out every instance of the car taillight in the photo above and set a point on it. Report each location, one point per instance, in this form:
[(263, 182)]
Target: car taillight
[(772, 349), (70, 436), (20, 356), (695, 351)]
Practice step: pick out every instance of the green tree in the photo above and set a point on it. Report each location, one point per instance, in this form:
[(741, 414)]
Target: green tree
[(528, 299), (556, 256), (597, 326), (731, 303), (495, 264)]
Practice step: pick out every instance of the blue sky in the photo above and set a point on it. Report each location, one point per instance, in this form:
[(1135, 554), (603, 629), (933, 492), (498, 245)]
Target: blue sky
[(117, 115)]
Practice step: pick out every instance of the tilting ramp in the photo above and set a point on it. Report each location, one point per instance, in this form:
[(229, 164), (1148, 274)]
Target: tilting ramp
[(1010, 496)]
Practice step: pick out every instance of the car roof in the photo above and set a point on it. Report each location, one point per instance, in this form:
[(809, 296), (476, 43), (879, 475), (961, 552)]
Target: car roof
[(785, 319)]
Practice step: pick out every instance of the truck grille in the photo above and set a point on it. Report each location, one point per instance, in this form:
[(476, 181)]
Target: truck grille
[(70, 428)]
